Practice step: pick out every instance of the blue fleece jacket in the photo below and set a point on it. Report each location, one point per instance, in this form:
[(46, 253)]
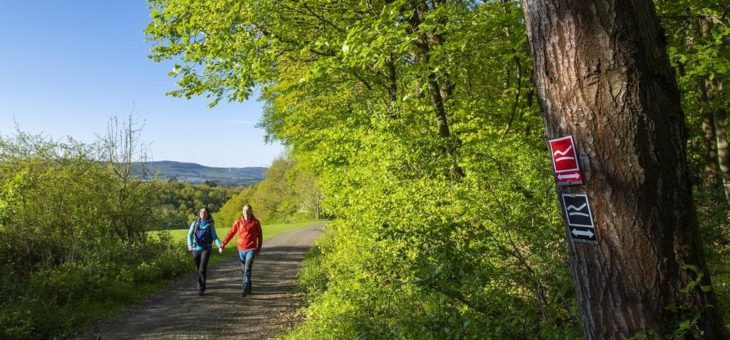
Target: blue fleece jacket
[(202, 226)]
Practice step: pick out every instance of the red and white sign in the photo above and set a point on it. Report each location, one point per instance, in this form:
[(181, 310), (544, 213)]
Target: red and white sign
[(565, 161)]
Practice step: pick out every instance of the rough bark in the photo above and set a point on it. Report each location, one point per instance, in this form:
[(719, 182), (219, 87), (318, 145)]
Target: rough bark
[(602, 75)]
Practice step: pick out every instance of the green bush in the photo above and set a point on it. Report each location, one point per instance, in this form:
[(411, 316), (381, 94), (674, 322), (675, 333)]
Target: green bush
[(61, 300), (311, 276), (71, 249)]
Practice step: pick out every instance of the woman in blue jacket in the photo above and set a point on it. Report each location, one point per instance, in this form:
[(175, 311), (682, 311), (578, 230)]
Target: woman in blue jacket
[(200, 239)]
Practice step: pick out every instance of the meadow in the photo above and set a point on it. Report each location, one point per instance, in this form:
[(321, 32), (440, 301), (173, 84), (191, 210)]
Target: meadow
[(177, 236)]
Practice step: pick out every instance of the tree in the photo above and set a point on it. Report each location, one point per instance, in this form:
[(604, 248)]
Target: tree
[(417, 120), (699, 45), (63, 236), (602, 75), (310, 197), (121, 150)]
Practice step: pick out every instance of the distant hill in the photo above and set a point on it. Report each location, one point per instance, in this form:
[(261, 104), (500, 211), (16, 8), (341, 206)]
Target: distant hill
[(196, 173)]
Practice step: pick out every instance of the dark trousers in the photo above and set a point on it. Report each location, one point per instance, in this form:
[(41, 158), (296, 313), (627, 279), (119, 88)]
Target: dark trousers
[(201, 262)]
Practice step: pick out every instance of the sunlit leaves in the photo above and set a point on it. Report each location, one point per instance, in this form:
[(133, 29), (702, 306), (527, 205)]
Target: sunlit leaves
[(353, 88)]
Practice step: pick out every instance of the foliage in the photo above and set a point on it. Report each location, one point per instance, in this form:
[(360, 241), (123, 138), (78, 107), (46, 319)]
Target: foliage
[(175, 204), (715, 227), (698, 37), (417, 120), (432, 259), (70, 249), (698, 34), (286, 194)]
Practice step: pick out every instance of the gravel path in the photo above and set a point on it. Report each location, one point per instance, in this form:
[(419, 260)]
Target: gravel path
[(179, 313)]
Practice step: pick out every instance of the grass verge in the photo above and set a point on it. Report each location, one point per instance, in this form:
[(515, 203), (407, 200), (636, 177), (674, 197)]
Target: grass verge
[(271, 230)]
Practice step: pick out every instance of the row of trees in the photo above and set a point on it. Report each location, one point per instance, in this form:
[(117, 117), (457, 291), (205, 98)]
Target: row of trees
[(697, 34), (287, 193), (421, 124), (176, 203)]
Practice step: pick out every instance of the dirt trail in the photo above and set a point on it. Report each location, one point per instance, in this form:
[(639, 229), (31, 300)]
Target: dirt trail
[(180, 313)]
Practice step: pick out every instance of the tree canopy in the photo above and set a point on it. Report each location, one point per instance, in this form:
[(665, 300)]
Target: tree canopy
[(419, 122)]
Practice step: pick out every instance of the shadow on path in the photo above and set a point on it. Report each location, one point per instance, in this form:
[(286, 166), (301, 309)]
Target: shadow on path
[(179, 313)]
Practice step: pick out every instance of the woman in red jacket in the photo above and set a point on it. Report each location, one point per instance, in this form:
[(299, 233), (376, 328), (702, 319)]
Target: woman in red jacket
[(250, 237)]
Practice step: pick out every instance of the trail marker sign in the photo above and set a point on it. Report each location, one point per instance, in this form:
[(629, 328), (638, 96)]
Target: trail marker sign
[(579, 217), (565, 161)]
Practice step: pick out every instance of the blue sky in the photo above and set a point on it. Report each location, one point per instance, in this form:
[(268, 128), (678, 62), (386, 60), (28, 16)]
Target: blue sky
[(67, 67)]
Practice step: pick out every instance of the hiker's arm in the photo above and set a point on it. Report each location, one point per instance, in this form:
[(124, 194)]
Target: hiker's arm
[(259, 238), (215, 236), (190, 236), (217, 240), (230, 234)]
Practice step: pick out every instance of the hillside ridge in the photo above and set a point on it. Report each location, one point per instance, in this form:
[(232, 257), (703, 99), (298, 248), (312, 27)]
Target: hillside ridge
[(197, 173)]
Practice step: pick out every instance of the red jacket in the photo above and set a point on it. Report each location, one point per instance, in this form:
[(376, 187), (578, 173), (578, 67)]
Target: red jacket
[(249, 234)]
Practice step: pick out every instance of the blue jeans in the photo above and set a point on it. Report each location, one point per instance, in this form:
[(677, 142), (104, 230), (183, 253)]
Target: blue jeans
[(246, 257)]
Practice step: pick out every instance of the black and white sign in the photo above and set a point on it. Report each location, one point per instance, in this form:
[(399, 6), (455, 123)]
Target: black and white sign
[(579, 217)]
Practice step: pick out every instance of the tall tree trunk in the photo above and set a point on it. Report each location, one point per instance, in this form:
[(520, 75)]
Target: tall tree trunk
[(723, 150), (716, 154), (439, 85), (710, 160), (603, 76)]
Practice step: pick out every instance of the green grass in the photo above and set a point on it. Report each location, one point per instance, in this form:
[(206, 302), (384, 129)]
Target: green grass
[(271, 230), (178, 235)]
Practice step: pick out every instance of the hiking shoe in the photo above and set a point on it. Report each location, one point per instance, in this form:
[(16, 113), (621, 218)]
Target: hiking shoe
[(200, 292), (243, 293)]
